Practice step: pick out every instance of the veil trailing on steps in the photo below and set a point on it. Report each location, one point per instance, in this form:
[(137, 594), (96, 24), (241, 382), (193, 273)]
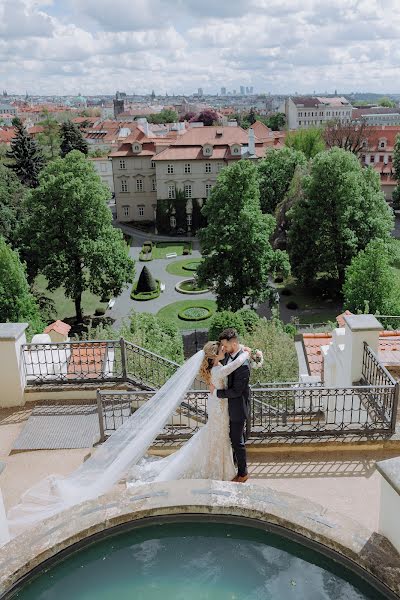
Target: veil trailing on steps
[(111, 460)]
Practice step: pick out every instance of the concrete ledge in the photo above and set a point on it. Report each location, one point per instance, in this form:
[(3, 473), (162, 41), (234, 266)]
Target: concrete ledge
[(390, 471), (317, 525)]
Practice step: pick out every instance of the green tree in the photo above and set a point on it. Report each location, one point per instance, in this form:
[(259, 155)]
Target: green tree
[(12, 194), (341, 211), (146, 282), (277, 121), (280, 358), (238, 256), (252, 118), (370, 281), (72, 139), (17, 304), (396, 169), (49, 139), (26, 159), (386, 102), (69, 229), (167, 115), (309, 141), (222, 320), (275, 173)]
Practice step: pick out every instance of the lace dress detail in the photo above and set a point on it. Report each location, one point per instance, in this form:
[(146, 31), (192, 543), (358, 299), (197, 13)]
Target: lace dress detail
[(208, 454)]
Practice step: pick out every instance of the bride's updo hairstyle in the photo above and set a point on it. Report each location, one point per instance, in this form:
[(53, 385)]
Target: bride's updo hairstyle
[(210, 352)]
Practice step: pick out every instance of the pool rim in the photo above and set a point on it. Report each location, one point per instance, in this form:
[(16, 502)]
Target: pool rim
[(351, 566), (370, 551)]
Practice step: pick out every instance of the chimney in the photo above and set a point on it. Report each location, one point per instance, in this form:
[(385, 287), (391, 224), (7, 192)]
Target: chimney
[(252, 145)]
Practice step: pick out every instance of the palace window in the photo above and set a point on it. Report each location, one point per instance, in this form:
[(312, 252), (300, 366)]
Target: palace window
[(188, 191), (188, 168), (208, 167), (153, 164), (208, 189), (154, 185), (139, 185), (141, 211), (125, 211), (122, 164), (124, 185), (170, 169), (171, 192)]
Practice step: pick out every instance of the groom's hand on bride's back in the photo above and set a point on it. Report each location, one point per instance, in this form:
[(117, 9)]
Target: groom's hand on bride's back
[(212, 388)]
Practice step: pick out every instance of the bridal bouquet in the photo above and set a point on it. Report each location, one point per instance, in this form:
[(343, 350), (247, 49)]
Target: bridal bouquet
[(256, 359)]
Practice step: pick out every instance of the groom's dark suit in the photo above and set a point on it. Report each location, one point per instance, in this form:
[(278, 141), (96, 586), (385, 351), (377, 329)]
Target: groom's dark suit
[(238, 394)]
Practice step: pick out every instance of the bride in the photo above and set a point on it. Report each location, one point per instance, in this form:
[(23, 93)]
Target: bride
[(208, 454)]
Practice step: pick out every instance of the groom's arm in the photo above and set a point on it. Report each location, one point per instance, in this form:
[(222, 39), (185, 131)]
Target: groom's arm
[(240, 382)]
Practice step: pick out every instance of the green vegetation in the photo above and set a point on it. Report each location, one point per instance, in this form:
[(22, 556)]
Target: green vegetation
[(237, 234), (49, 139), (275, 173), (167, 115), (17, 304), (189, 286), (161, 249), (69, 232), (309, 141), (26, 158), (72, 139), (183, 267), (341, 211), (146, 287), (195, 313), (171, 312), (396, 169), (142, 296), (12, 195)]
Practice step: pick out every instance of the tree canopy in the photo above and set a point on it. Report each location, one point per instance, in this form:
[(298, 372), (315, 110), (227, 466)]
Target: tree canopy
[(341, 210), (167, 115), (353, 137), (72, 139), (238, 256), (396, 169), (207, 117), (17, 304), (275, 173), (370, 285), (49, 139), (69, 230), (26, 158), (12, 194), (309, 141)]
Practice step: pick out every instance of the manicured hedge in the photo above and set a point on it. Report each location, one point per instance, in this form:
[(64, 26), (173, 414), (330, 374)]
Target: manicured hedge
[(183, 314), (146, 295)]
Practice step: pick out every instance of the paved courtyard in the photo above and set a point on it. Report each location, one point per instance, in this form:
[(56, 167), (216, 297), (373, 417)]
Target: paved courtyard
[(124, 304)]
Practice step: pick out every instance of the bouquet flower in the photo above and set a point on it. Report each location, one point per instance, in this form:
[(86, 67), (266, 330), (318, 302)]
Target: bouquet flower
[(256, 359)]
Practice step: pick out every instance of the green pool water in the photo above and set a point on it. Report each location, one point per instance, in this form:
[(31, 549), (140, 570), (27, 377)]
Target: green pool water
[(196, 561)]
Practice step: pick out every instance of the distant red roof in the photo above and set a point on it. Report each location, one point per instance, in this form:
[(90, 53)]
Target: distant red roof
[(58, 326)]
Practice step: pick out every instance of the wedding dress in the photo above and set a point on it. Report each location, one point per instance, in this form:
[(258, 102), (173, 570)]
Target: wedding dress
[(208, 454)]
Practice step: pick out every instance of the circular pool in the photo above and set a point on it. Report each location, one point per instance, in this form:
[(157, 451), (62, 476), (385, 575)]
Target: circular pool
[(197, 560)]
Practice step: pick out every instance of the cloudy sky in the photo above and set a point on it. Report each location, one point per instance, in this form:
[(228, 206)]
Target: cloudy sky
[(99, 46)]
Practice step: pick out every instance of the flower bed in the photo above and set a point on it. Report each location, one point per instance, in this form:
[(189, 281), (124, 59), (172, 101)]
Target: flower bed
[(195, 313), (146, 295), (188, 286), (191, 266)]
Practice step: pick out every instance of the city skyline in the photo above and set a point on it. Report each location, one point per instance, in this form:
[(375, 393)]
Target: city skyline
[(50, 47)]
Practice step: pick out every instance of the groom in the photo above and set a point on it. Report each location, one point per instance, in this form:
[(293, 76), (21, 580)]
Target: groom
[(238, 394)]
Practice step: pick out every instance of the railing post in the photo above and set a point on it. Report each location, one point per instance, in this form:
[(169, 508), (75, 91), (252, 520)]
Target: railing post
[(100, 415), (395, 406), (123, 359), (12, 364)]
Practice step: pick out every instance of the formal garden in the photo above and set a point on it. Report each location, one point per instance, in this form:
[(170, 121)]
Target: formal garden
[(189, 314)]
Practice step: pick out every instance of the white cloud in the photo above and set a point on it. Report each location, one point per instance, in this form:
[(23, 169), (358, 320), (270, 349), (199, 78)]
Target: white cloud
[(97, 46)]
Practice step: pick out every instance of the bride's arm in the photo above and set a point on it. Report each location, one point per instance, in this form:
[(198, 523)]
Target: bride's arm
[(235, 364)]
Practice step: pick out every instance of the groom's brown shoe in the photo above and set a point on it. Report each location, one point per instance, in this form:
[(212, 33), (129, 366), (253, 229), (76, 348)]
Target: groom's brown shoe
[(240, 478)]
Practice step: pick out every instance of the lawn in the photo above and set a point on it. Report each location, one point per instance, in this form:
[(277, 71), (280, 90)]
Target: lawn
[(161, 249), (170, 313), (65, 307), (176, 267)]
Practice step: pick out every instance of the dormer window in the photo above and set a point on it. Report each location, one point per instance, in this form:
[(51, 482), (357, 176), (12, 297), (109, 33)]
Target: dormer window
[(207, 150), (235, 149), (136, 147), (382, 143)]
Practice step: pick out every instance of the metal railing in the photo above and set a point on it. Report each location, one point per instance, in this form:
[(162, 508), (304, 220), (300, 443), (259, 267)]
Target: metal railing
[(282, 410), (373, 371), (96, 362)]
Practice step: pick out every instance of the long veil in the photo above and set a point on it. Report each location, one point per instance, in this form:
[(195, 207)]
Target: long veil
[(111, 460)]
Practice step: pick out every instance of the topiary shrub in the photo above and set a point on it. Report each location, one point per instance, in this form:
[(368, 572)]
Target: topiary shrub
[(146, 282), (278, 279), (292, 305), (224, 319), (250, 318), (100, 311)]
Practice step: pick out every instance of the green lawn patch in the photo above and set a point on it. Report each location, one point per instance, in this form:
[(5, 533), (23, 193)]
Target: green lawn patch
[(191, 319), (184, 267), (65, 307), (161, 249)]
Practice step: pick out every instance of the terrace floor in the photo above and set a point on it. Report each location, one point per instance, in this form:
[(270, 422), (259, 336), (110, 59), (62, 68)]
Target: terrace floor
[(344, 481)]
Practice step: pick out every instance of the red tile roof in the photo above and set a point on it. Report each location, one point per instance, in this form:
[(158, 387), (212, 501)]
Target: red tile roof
[(58, 326), (215, 135)]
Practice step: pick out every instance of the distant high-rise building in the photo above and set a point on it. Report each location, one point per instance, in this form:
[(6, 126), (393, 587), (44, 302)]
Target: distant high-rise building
[(251, 89), (223, 91), (247, 90), (242, 90), (200, 91), (234, 92)]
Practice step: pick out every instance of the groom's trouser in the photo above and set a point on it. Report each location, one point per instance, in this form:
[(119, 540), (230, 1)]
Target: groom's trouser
[(236, 433)]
